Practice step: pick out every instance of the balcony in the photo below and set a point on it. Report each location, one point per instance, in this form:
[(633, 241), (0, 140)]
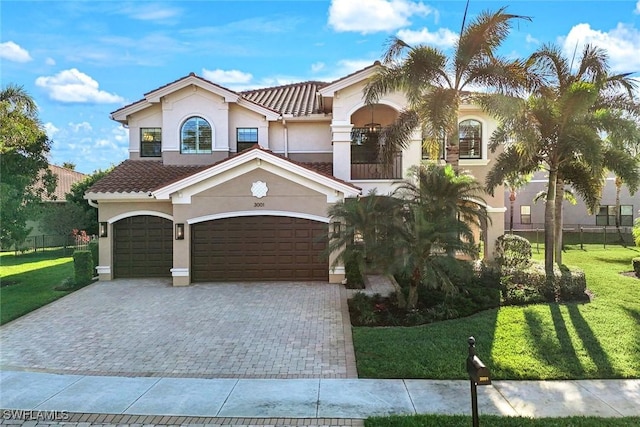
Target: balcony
[(366, 162)]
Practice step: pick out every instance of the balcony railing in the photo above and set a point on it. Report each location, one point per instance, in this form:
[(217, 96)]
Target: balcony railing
[(363, 167), (366, 162)]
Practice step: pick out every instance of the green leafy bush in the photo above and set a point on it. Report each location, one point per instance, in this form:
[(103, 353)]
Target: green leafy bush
[(529, 285), (512, 251), (83, 266), (635, 262), (93, 247), (353, 274)]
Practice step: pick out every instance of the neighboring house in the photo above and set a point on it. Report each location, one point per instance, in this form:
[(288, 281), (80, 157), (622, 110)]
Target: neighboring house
[(529, 215), (222, 185), (66, 178)]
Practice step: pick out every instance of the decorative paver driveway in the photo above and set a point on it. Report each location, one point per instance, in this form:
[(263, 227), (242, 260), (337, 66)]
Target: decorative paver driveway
[(149, 328)]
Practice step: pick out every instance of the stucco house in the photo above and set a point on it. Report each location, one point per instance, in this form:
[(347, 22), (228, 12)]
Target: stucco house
[(223, 185)]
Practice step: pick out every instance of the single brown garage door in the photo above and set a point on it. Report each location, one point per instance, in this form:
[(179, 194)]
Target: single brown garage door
[(256, 248), (143, 247)]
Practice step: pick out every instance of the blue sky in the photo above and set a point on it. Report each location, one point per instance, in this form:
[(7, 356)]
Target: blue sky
[(81, 60)]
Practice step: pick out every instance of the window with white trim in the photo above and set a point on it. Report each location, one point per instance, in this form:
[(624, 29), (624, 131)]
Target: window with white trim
[(525, 214), (150, 142), (195, 136), (470, 134)]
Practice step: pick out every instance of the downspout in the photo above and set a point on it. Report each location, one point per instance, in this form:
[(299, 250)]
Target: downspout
[(286, 137), (92, 203)]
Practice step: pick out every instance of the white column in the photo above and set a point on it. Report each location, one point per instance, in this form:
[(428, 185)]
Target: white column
[(341, 139)]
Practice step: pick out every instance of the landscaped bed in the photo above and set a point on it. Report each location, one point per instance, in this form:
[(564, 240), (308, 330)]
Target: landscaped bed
[(599, 339)]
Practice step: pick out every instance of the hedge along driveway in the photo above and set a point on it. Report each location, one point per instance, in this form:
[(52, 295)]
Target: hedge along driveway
[(600, 339), (28, 281)]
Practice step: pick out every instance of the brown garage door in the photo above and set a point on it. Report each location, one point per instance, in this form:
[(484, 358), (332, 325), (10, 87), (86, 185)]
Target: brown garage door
[(143, 247), (258, 248)]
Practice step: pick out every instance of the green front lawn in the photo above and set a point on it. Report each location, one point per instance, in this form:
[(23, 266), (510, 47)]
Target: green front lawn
[(498, 421), (28, 281), (600, 339)]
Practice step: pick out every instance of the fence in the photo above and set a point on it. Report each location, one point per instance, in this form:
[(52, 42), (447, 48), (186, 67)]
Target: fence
[(51, 242), (581, 234)]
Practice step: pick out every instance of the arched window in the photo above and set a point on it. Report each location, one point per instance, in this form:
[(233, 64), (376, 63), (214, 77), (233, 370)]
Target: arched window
[(195, 136), (470, 139)]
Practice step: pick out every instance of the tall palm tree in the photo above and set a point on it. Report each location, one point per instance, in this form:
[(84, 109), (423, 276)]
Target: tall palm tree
[(435, 84), (561, 125)]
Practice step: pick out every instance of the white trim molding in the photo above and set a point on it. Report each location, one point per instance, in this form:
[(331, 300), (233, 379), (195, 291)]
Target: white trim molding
[(139, 213), (179, 272), (103, 269), (224, 215)]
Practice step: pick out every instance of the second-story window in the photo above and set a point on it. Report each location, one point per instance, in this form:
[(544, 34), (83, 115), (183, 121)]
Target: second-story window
[(150, 142), (470, 139), (246, 138), (195, 136)]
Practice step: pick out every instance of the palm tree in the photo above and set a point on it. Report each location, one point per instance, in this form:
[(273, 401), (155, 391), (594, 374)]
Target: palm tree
[(418, 229), (514, 182), (561, 125), (441, 210), (435, 84)]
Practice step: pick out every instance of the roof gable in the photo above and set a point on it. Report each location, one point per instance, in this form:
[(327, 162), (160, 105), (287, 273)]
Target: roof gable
[(155, 97), (181, 191), (349, 80)]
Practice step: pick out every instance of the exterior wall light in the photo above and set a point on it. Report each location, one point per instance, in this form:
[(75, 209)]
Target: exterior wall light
[(180, 231), (337, 226), (102, 229)]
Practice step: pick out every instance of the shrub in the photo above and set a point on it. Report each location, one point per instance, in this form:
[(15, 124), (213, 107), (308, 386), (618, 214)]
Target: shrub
[(529, 285), (353, 274), (362, 310), (83, 266), (635, 262), (512, 251), (95, 256)]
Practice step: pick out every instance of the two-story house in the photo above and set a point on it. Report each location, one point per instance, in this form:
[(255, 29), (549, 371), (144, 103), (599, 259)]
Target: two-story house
[(223, 185)]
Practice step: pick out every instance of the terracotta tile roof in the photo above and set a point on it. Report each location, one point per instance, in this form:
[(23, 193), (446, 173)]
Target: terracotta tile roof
[(66, 178), (298, 99), (133, 176)]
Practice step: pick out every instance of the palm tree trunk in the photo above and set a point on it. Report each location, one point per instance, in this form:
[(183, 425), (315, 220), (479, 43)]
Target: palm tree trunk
[(512, 200), (453, 156), (618, 219), (559, 220), (416, 278), (549, 223)]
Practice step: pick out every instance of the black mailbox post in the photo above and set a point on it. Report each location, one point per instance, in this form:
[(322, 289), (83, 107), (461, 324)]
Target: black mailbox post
[(478, 375)]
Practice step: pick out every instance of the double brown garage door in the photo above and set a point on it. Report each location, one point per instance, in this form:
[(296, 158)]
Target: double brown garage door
[(258, 248)]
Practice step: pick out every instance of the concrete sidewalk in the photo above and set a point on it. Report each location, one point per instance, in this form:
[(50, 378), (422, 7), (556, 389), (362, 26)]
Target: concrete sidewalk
[(311, 398)]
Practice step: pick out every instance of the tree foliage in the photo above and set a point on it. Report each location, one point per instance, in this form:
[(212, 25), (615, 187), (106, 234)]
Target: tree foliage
[(434, 84), (561, 125), (87, 215), (24, 178), (418, 229)]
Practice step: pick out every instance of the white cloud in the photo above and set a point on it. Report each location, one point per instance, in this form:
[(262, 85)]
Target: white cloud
[(150, 11), (532, 40), (622, 44), (637, 10), (77, 127), (75, 86), (227, 76), (370, 16), (13, 52), (318, 66), (50, 61), (51, 129), (120, 134), (444, 37)]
